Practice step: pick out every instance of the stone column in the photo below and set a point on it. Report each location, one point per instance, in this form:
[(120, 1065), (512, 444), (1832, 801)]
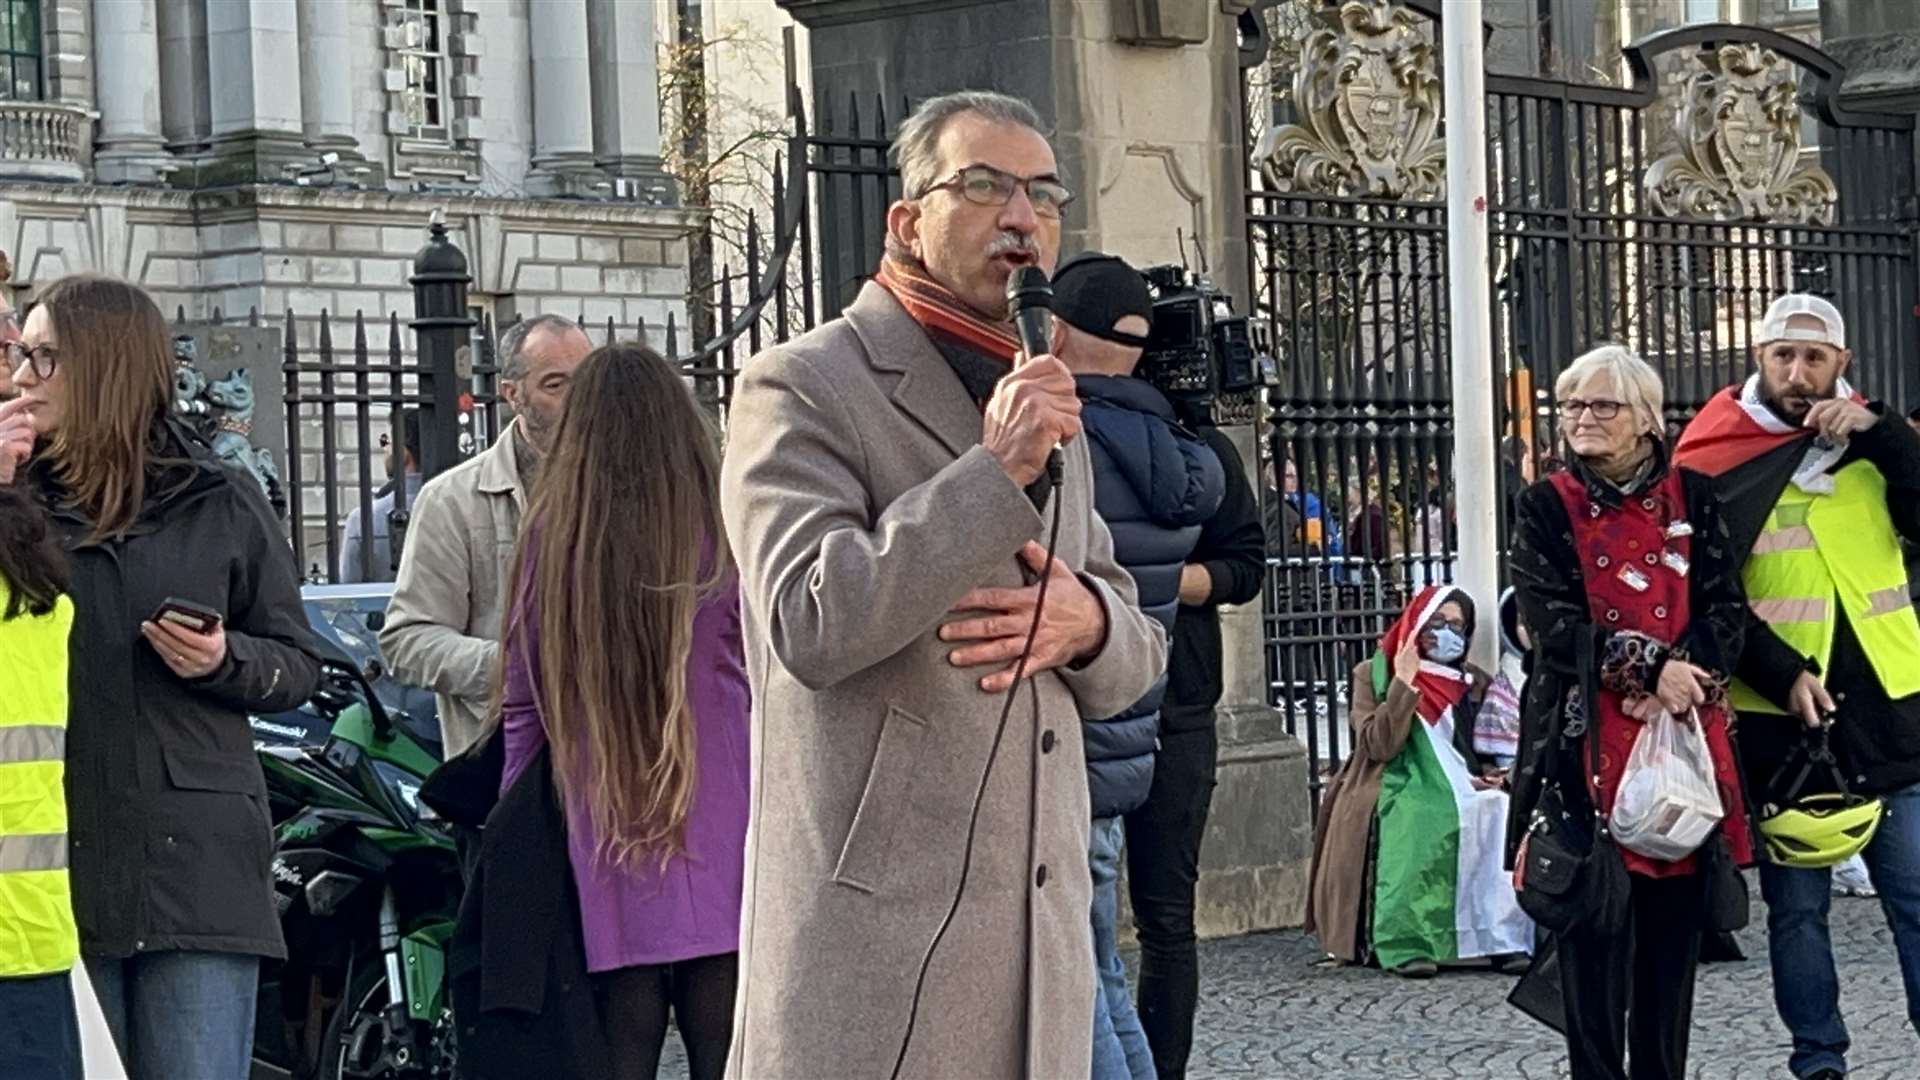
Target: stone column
[(326, 78), (1150, 136), (126, 44), (186, 116), (626, 95), (253, 64), (563, 117)]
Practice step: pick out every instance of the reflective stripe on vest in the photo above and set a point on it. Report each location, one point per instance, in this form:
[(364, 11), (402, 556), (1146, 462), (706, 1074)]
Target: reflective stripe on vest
[(37, 934), (33, 742), (46, 851), (1816, 551)]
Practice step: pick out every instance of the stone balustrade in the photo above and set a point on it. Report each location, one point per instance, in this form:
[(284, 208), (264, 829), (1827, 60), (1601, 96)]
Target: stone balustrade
[(44, 140)]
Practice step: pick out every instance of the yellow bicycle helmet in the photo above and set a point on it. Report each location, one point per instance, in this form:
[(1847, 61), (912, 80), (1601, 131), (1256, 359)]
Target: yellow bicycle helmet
[(1816, 831)]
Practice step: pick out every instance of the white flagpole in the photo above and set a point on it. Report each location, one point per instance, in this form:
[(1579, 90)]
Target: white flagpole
[(1476, 491)]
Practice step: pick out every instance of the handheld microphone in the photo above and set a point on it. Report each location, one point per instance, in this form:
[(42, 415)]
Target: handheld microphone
[(1030, 302)]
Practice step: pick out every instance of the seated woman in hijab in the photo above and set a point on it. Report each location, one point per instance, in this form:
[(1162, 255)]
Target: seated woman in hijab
[(1407, 863)]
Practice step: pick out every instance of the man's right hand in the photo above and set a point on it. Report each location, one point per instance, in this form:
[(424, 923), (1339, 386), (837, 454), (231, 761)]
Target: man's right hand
[(16, 437), (1809, 700), (1034, 409)]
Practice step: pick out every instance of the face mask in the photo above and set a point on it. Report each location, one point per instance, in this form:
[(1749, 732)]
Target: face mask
[(1448, 646)]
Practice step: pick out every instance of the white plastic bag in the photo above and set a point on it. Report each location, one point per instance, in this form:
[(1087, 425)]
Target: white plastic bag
[(1668, 802)]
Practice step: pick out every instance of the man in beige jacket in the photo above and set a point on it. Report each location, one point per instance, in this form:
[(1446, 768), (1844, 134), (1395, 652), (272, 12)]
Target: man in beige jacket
[(444, 621), (885, 495)]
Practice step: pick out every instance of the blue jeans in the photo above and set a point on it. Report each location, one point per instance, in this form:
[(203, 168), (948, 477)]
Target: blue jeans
[(1806, 989), (39, 1029), (178, 1014), (1119, 1043)]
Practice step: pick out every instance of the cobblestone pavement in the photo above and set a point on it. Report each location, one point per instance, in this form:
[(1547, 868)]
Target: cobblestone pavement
[(1268, 1011)]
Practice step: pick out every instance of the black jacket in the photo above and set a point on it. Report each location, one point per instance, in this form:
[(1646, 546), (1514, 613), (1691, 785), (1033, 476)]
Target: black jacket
[(1233, 548), (1154, 485), (170, 837), (1876, 741), (1568, 646), (518, 962)]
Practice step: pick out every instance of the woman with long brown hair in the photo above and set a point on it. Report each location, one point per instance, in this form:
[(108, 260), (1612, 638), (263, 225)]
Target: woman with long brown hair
[(623, 654), (171, 846)]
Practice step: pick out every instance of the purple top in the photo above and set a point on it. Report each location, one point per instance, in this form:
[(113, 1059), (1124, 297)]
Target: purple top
[(690, 907)]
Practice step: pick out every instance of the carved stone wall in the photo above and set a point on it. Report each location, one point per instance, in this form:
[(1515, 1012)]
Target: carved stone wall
[(1739, 155)]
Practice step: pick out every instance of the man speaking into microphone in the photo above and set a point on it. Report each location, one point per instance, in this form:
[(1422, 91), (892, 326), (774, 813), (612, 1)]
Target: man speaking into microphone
[(916, 890)]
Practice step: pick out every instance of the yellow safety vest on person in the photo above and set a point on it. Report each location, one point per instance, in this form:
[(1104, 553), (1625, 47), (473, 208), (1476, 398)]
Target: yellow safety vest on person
[(37, 935), (1816, 550)]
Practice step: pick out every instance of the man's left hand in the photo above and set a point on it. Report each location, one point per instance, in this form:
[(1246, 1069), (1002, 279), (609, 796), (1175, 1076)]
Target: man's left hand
[(1838, 418), (1073, 624)]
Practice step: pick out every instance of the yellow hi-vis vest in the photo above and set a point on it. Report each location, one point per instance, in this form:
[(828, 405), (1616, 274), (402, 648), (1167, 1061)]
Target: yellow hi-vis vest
[(1819, 550), (37, 935)]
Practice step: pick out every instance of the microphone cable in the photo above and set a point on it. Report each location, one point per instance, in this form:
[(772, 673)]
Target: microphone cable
[(1054, 471)]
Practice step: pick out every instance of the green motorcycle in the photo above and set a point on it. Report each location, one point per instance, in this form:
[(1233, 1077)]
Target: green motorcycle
[(367, 883)]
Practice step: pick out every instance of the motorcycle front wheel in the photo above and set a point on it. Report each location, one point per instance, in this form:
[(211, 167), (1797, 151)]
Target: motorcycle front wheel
[(360, 1043)]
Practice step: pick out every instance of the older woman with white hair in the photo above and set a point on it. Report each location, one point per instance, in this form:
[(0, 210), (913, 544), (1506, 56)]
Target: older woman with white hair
[(1622, 569)]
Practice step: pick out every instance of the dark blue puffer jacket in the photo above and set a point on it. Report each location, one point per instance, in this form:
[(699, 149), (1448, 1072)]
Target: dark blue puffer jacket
[(1154, 485)]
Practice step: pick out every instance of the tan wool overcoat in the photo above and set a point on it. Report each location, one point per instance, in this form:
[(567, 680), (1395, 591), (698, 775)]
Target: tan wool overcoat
[(861, 507)]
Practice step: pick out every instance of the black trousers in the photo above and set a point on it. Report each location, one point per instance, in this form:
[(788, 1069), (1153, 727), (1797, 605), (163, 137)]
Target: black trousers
[(1629, 995), (635, 1001), (1163, 863)]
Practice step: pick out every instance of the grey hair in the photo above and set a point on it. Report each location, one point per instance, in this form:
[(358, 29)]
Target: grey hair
[(916, 146), (1634, 381), (510, 355)]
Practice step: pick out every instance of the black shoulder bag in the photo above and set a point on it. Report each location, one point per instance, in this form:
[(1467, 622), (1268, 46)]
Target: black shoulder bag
[(1569, 870)]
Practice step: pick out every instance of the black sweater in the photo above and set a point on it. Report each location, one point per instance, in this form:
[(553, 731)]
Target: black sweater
[(1233, 548)]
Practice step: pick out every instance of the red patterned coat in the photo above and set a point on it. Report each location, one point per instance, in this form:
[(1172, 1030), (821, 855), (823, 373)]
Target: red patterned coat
[(1613, 586)]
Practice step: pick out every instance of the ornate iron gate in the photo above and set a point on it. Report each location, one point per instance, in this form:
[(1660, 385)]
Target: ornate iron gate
[(1664, 215)]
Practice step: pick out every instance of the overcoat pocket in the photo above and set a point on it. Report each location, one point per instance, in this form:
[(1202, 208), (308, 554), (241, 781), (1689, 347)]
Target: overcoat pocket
[(865, 855)]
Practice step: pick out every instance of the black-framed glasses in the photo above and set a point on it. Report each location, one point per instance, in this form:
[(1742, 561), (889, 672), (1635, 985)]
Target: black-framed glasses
[(44, 358), (984, 185), (1601, 410)]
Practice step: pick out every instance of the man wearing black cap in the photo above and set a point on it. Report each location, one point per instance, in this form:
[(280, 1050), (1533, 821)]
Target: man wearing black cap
[(1173, 500)]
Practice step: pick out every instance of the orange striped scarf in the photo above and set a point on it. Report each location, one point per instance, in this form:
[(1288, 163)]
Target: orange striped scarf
[(939, 311)]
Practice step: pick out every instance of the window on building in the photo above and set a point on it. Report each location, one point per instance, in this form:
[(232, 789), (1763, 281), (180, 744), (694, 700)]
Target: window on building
[(1703, 11), (423, 60), (21, 73), (1803, 5)]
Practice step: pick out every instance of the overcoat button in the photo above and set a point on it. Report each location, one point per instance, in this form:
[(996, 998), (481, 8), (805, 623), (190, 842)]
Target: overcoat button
[(1046, 742), (1040, 878)]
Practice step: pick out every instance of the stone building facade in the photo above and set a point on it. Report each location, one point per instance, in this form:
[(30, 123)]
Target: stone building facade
[(288, 154)]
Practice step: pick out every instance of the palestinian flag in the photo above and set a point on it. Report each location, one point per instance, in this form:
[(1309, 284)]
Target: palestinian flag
[(1735, 427), (1440, 892)]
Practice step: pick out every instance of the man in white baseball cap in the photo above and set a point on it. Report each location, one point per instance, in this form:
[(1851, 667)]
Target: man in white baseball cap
[(1821, 487)]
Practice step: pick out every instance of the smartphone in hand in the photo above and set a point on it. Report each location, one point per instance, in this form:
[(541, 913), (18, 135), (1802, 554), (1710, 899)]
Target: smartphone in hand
[(187, 614)]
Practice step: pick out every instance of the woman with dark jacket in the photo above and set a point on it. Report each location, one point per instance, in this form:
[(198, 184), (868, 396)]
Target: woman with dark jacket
[(1407, 868), (1622, 569), (623, 656), (171, 846)]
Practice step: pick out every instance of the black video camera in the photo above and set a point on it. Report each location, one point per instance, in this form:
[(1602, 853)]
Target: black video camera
[(1199, 350)]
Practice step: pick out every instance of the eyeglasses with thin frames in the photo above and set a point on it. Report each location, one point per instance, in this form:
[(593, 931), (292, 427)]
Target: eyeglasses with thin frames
[(984, 185), (44, 358)]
